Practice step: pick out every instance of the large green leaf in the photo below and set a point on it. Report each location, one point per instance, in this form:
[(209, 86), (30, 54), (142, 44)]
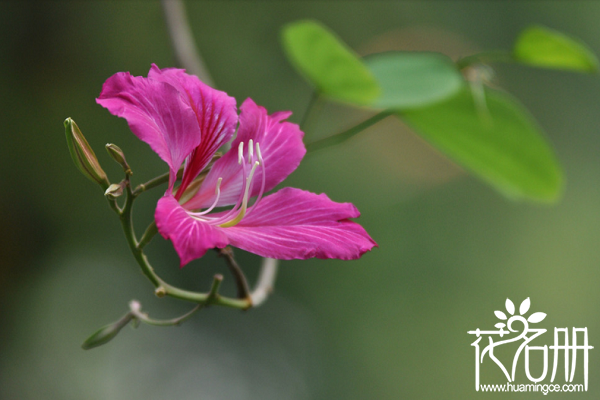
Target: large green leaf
[(329, 64), (544, 47), (413, 79), (500, 142)]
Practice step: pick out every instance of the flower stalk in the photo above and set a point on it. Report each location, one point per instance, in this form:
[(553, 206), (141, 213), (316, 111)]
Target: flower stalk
[(238, 274), (345, 135), (165, 289)]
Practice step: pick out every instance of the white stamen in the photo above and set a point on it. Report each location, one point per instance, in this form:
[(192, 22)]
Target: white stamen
[(250, 151), (244, 206), (240, 152), (264, 179), (214, 204), (260, 159)]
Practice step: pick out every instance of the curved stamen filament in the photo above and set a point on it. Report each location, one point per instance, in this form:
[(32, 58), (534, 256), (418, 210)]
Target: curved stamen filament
[(214, 204), (230, 213), (240, 152)]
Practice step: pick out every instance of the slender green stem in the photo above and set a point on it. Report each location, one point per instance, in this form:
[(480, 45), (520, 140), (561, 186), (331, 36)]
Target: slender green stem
[(115, 207), (311, 111), (343, 136), (127, 224), (136, 308), (168, 322), (240, 279), (195, 297), (143, 317), (484, 57), (152, 183), (266, 281), (151, 230), (214, 288), (164, 178)]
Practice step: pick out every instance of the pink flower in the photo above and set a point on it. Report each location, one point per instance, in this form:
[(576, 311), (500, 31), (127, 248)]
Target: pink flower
[(185, 121)]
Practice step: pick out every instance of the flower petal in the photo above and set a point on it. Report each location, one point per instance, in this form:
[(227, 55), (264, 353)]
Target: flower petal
[(281, 148), (156, 113), (215, 111), (175, 113), (191, 237), (296, 224)]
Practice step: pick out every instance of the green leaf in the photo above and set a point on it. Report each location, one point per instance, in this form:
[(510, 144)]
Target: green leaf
[(413, 79), (543, 47), (504, 146), (328, 63)]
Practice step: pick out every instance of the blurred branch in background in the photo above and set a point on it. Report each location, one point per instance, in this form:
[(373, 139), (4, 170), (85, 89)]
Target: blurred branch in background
[(182, 40)]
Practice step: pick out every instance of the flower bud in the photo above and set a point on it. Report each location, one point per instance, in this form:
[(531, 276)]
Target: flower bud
[(106, 333), (114, 190), (117, 154), (83, 156)]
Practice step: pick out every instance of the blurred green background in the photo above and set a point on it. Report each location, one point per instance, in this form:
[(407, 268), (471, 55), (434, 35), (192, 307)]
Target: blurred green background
[(391, 325)]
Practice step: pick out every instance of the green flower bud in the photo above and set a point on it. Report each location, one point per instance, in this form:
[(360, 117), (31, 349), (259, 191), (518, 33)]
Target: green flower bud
[(83, 156), (106, 333), (117, 154)]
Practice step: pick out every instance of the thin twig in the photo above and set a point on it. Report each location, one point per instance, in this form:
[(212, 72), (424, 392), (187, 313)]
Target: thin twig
[(240, 279), (115, 207), (152, 183), (149, 233), (310, 114), (266, 281), (213, 293), (343, 136), (136, 311), (182, 40)]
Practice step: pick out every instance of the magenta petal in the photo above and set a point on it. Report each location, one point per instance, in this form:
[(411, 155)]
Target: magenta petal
[(281, 147), (296, 224), (191, 238), (215, 112), (156, 113), (175, 113)]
